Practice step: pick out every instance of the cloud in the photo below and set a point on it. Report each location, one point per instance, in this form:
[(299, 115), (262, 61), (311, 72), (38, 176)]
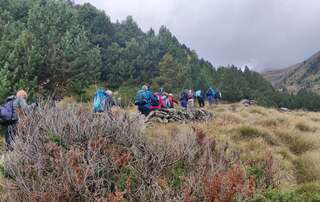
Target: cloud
[(264, 33)]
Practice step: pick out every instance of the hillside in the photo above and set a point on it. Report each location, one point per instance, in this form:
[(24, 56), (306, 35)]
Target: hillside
[(304, 75), (266, 154), (60, 49)]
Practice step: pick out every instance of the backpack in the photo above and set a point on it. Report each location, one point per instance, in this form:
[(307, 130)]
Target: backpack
[(7, 110), (198, 93), (99, 101), (211, 92), (156, 102), (140, 98)]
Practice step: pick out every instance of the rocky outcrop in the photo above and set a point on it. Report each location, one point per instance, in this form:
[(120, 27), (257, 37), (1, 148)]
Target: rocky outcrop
[(179, 115)]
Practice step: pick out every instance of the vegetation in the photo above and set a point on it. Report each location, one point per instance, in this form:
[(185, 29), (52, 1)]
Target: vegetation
[(292, 138), (57, 48), (240, 155), (107, 157)]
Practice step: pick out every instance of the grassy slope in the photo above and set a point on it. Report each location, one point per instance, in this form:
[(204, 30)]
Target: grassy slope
[(292, 137)]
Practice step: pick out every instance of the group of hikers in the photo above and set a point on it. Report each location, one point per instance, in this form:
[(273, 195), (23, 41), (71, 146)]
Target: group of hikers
[(146, 101), (103, 101)]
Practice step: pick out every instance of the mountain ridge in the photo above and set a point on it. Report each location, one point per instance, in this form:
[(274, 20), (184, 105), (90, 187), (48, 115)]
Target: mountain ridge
[(303, 75)]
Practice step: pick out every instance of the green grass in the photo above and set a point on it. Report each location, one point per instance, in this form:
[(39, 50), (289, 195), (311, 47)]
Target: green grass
[(56, 139)]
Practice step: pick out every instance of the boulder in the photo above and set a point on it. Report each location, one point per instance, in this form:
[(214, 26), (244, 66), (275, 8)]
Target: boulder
[(247, 102), (284, 109)]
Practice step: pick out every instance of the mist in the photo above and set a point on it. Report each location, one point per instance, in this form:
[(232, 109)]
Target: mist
[(263, 34)]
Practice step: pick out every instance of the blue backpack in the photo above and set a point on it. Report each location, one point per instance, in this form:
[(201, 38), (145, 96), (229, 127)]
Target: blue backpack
[(198, 93), (99, 101), (7, 110), (140, 98), (211, 92)]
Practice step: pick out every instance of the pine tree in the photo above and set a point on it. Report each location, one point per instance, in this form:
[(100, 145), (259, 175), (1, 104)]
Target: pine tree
[(172, 74)]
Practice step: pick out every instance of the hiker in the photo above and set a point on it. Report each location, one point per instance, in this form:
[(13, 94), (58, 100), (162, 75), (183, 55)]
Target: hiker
[(211, 94), (161, 91), (9, 113), (200, 97), (171, 100), (100, 101), (218, 96), (144, 99), (157, 102), (160, 101), (190, 99), (168, 100), (184, 98), (110, 102)]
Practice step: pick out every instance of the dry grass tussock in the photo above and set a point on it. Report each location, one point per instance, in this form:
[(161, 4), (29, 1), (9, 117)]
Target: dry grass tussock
[(70, 154), (308, 166), (293, 138)]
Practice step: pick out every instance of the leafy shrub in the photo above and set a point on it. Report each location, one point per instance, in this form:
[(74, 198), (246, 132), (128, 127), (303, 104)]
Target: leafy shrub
[(229, 185)]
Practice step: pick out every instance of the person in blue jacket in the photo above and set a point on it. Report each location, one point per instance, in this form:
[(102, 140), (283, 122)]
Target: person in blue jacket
[(211, 95), (143, 100)]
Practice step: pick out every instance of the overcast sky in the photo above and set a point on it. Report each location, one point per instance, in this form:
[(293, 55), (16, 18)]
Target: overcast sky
[(265, 34)]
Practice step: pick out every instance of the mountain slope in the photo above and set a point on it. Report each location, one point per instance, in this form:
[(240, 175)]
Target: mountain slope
[(304, 75)]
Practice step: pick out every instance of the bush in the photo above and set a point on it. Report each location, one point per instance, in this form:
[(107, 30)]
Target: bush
[(248, 132), (71, 154), (229, 185)]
